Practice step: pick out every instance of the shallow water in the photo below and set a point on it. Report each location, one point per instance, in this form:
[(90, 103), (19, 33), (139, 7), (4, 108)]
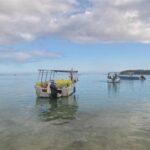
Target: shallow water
[(100, 116)]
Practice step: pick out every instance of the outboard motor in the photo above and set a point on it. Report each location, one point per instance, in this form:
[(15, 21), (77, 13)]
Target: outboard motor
[(54, 90)]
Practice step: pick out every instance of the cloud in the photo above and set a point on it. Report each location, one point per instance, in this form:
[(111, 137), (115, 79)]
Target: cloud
[(24, 56), (76, 20)]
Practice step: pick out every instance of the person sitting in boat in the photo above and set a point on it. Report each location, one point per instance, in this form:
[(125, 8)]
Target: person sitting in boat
[(109, 76), (115, 76), (72, 77)]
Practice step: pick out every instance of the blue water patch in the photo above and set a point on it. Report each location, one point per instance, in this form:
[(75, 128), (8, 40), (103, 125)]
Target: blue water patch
[(98, 115)]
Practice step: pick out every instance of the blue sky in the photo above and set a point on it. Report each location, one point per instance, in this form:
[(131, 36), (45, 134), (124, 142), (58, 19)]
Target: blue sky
[(86, 57), (90, 36)]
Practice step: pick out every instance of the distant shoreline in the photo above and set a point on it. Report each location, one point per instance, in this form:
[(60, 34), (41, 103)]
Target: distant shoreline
[(136, 72)]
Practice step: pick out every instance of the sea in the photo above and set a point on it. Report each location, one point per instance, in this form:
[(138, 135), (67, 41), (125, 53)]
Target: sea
[(99, 116)]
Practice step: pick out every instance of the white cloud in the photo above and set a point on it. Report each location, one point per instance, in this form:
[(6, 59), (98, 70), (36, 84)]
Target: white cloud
[(76, 20), (124, 2), (27, 56)]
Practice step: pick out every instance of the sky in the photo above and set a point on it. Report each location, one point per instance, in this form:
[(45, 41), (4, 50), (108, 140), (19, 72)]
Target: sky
[(87, 35)]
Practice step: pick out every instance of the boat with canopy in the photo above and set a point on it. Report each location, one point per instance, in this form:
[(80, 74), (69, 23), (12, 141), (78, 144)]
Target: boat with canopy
[(56, 83), (112, 77)]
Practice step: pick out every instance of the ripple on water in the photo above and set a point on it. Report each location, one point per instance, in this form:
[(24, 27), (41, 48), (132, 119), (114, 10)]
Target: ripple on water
[(101, 116)]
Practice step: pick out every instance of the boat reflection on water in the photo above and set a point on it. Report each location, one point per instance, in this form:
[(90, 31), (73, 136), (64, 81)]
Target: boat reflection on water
[(64, 108), (113, 89)]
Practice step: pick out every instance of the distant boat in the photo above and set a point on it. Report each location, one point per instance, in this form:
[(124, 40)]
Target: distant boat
[(113, 78), (131, 77)]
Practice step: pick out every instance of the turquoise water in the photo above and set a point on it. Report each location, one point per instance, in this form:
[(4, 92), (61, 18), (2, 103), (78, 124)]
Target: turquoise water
[(100, 116)]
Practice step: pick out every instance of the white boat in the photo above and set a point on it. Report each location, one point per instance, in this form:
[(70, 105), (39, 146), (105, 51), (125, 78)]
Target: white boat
[(50, 86), (113, 78), (117, 80)]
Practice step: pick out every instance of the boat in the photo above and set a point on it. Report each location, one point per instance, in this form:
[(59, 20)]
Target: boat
[(113, 78), (56, 83), (132, 77)]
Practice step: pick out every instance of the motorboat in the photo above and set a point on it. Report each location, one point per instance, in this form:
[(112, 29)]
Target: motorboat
[(113, 78), (56, 83), (132, 77)]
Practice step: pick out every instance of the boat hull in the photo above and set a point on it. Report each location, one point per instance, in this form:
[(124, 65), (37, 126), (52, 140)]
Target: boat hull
[(40, 93), (113, 81), (65, 91), (129, 78)]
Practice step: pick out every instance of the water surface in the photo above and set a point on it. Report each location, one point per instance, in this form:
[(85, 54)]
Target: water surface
[(100, 116)]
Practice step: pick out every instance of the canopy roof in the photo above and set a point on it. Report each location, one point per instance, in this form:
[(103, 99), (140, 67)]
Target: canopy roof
[(63, 71)]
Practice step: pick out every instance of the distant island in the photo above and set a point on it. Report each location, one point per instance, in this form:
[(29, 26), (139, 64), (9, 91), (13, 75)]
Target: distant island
[(137, 72)]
